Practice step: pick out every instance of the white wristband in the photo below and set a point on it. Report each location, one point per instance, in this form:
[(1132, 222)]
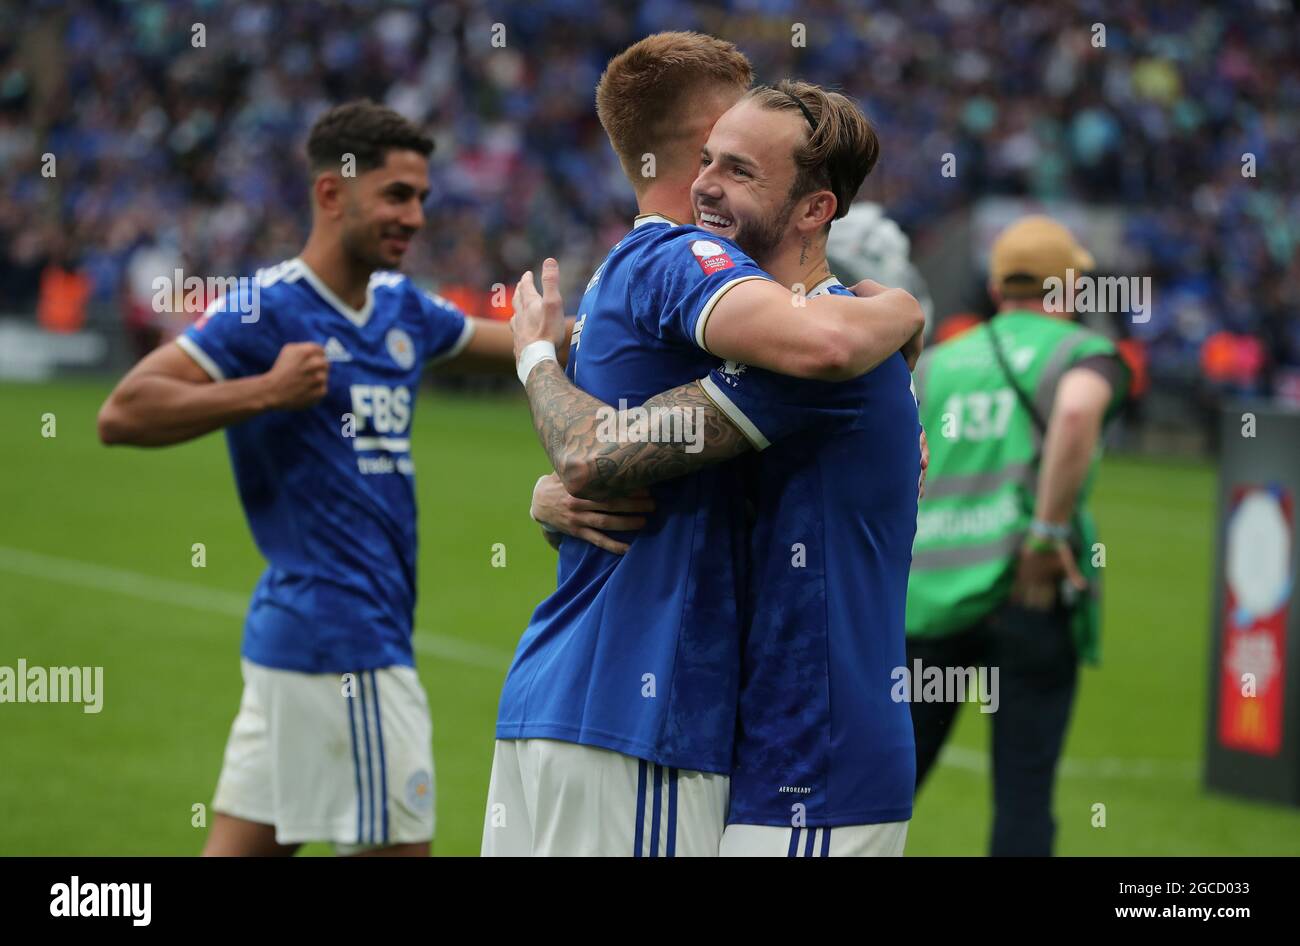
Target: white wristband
[(533, 353)]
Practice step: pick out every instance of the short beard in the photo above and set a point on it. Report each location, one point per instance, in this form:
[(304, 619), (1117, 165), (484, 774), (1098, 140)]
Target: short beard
[(359, 249), (760, 238)]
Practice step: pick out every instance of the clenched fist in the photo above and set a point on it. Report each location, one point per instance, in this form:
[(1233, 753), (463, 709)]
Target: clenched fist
[(299, 377)]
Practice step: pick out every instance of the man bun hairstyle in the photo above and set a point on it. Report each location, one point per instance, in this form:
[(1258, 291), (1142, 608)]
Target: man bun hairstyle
[(840, 148)]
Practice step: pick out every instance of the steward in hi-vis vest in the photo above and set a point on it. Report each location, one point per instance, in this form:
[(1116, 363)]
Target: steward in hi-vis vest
[(983, 477), (1004, 572)]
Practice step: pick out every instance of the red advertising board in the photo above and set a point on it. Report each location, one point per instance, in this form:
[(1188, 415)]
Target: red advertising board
[(1257, 600)]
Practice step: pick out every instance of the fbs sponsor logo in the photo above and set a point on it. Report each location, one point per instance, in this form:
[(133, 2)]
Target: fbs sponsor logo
[(380, 416), (382, 410), (711, 256), (78, 899)]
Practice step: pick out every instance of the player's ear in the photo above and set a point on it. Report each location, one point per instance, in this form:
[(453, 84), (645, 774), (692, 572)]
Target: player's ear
[(327, 193), (820, 212)]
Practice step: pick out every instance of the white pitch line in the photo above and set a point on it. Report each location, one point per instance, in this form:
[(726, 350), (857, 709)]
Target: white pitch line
[(197, 597), (959, 757), (440, 646)]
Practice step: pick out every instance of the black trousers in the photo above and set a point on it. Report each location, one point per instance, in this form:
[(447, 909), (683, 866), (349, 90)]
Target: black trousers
[(1037, 677)]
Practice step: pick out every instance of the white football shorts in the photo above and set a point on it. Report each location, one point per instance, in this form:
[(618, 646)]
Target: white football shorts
[(549, 798), (343, 758), (857, 840)]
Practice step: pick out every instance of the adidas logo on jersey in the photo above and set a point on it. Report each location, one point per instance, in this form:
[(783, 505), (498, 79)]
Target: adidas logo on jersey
[(334, 350)]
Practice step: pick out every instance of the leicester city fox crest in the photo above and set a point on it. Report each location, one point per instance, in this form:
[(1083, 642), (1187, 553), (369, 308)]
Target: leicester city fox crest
[(401, 348), (419, 791), (731, 372)]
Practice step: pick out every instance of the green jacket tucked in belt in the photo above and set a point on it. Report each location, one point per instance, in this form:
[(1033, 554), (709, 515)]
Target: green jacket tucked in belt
[(983, 477)]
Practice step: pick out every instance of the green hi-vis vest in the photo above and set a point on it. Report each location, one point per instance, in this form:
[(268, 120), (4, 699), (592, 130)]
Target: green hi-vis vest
[(983, 477)]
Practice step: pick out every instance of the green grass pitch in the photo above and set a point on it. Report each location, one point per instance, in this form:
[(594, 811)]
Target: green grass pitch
[(95, 569)]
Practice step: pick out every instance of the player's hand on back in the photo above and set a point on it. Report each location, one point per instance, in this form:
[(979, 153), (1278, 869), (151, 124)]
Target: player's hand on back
[(925, 464), (299, 377), (867, 288), (588, 519), (912, 350), (538, 318)]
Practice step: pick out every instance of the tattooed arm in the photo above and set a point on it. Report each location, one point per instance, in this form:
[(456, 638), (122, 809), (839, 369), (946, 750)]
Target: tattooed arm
[(581, 435), (597, 451)]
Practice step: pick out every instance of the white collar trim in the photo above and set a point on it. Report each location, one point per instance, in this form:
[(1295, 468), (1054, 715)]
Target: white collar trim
[(357, 317), (824, 285), (643, 219)]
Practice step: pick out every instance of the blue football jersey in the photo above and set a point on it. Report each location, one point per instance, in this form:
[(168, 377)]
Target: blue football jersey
[(329, 492), (820, 741), (640, 653)]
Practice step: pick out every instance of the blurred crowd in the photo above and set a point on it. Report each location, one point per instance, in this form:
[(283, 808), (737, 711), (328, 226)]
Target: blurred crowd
[(141, 137)]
